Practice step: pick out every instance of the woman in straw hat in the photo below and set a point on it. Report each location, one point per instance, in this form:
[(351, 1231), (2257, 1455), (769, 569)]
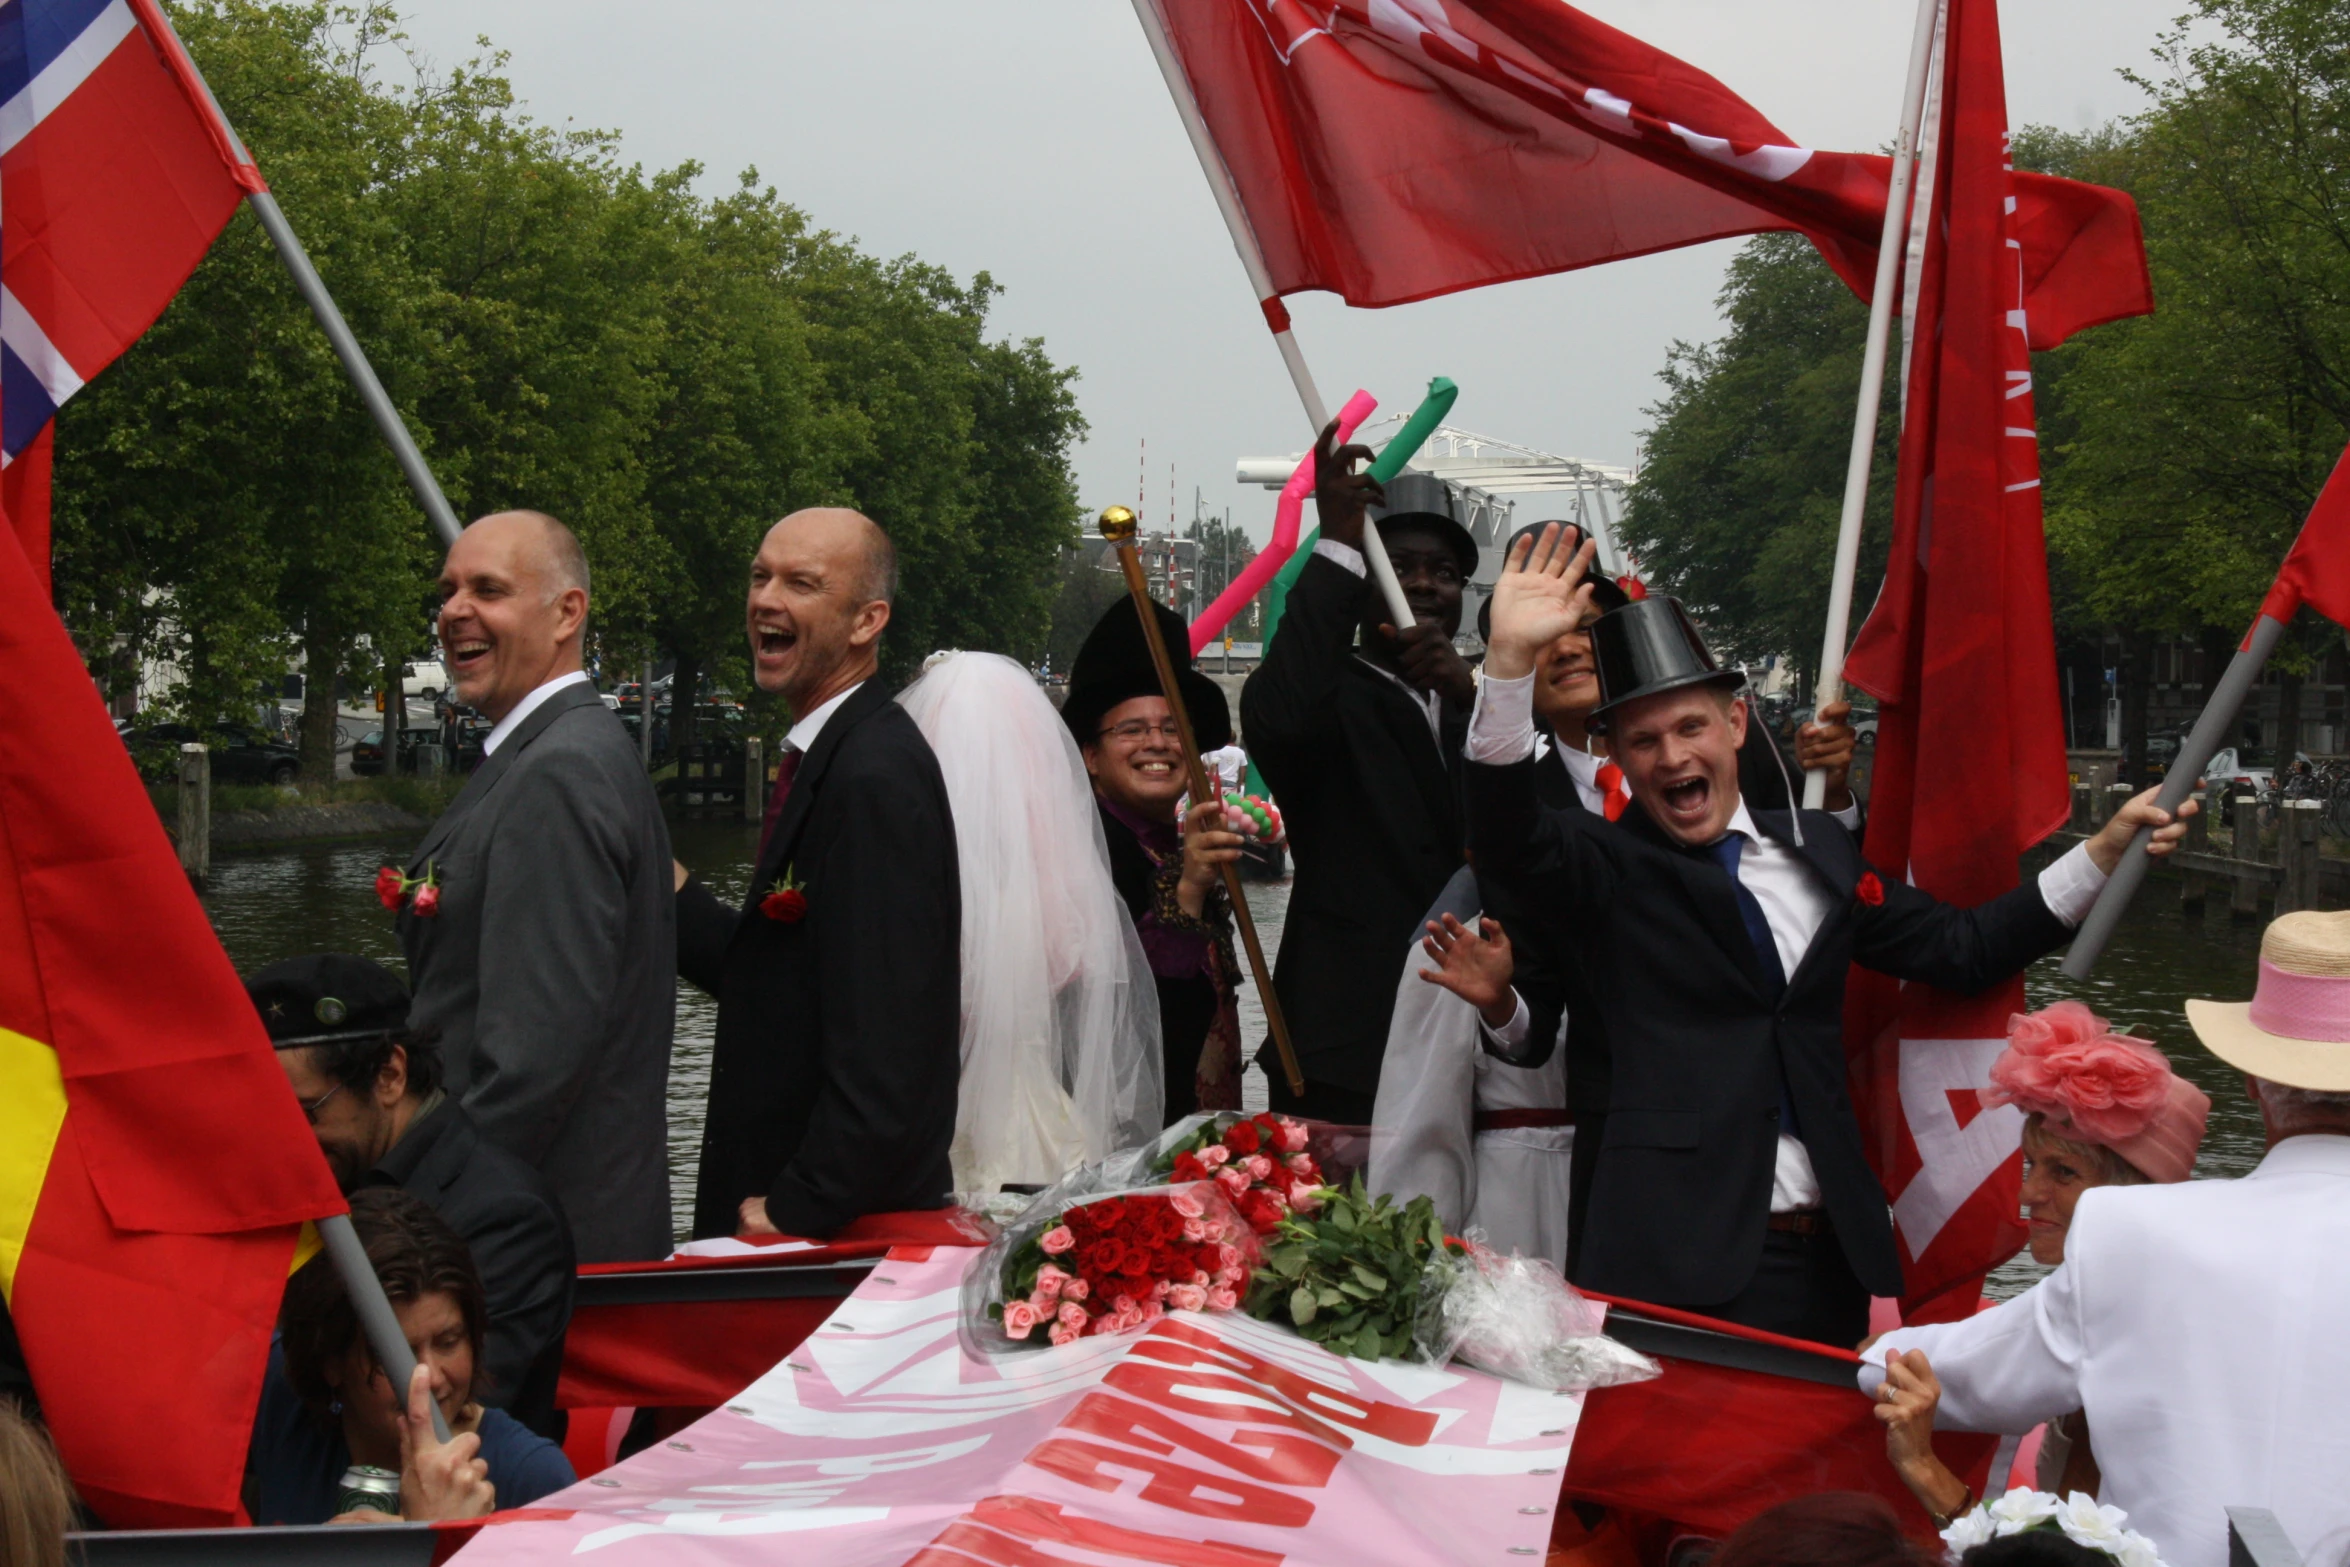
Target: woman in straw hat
[(2100, 1109), (2199, 1325)]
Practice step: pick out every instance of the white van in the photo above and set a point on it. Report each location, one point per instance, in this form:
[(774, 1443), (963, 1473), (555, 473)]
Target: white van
[(424, 678)]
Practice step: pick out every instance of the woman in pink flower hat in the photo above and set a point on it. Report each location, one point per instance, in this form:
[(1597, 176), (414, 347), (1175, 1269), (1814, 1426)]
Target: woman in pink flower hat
[(2100, 1109)]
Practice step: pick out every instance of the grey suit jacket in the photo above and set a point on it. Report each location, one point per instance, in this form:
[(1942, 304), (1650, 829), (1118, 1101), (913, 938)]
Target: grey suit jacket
[(551, 966)]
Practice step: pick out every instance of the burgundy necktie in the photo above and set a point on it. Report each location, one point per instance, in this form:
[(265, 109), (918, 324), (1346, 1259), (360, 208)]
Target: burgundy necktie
[(786, 764)]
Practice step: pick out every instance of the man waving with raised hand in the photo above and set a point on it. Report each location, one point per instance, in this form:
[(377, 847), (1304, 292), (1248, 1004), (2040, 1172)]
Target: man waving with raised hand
[(1731, 1177)]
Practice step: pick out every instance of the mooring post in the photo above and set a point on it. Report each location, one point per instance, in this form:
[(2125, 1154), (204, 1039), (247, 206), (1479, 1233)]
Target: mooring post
[(2244, 896), (2297, 853), (754, 778), (195, 812)]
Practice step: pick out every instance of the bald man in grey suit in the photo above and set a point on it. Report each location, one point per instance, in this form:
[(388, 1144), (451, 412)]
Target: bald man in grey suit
[(547, 957)]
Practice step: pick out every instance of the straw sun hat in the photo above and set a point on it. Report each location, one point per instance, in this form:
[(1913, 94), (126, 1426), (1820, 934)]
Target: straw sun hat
[(2296, 1028)]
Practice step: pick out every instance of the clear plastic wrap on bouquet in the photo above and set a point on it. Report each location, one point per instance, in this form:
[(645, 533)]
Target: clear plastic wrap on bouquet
[(1087, 1257), (1516, 1317)]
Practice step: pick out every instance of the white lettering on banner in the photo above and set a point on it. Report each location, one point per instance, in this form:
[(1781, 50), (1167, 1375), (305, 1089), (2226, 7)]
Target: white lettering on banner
[(1763, 161), (1289, 24), (1956, 1158)]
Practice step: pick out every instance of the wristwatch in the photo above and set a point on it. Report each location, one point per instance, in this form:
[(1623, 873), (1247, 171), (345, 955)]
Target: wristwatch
[(1942, 1520)]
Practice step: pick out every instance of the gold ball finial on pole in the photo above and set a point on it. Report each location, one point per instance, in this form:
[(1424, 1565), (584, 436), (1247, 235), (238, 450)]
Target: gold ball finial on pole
[(1117, 525)]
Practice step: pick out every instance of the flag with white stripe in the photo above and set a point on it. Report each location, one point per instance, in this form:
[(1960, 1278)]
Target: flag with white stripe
[(116, 174)]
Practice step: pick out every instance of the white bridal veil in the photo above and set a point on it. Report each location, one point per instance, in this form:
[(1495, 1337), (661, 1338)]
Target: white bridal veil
[(1060, 1014)]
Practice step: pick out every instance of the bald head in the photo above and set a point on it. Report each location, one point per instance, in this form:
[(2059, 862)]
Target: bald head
[(514, 602), (821, 589)]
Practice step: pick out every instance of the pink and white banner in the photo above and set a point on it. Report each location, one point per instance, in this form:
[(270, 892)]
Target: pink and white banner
[(1209, 1440)]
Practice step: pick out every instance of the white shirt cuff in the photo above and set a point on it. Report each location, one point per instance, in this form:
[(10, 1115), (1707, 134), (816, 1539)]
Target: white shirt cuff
[(1345, 554), (2071, 884), (1501, 726), (1849, 817), (1513, 1033)]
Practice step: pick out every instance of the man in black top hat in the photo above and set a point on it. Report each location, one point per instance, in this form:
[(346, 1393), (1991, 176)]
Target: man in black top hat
[(1732, 1178), (372, 1090), (1357, 724), (1170, 875)]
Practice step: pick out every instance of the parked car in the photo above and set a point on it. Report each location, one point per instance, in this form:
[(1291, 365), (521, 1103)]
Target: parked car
[(367, 757), (425, 678), (237, 754)]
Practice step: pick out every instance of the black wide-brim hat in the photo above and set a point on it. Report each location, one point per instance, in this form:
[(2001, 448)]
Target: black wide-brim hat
[(328, 998), (1115, 666), (1646, 647), (1604, 591), (1421, 501)]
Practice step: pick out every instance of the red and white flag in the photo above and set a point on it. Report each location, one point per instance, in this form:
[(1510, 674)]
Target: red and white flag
[(1392, 150), (1961, 652), (2317, 568)]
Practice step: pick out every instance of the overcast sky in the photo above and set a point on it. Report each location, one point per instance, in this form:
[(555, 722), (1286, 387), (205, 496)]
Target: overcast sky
[(1034, 139)]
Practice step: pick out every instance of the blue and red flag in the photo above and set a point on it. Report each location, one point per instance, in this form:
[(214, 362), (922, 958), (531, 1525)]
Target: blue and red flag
[(116, 174)]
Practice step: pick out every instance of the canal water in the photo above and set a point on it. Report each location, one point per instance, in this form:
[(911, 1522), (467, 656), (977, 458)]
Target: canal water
[(320, 898)]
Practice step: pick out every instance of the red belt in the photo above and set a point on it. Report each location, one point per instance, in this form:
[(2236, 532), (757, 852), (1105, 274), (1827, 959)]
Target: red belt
[(1805, 1221), (1512, 1120)]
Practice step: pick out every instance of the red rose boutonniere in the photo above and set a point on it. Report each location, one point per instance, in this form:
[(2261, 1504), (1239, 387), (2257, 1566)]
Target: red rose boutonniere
[(786, 902), (1870, 891), (422, 893)]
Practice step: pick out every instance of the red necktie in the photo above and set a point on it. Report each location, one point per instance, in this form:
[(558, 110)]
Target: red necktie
[(1613, 795), (786, 764)]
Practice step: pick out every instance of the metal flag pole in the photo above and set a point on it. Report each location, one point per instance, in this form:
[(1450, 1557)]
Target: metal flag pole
[(330, 318), (1117, 526), (2227, 699), (1890, 247), (374, 1308)]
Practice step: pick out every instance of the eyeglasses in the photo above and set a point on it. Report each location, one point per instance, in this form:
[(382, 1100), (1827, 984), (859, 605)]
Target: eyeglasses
[(1138, 728), (311, 1107)]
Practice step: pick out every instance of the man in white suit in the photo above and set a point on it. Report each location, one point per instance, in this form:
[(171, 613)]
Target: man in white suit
[(2203, 1327)]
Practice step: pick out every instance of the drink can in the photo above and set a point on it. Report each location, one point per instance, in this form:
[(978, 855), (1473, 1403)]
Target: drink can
[(365, 1485)]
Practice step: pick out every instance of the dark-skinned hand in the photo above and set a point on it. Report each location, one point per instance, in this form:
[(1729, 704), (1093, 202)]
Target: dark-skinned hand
[(1340, 493), (1427, 661)]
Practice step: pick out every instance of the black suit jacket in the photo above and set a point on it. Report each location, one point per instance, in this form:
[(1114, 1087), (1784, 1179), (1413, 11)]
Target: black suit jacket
[(1372, 805), (833, 1075), (1681, 1196), (521, 1245)]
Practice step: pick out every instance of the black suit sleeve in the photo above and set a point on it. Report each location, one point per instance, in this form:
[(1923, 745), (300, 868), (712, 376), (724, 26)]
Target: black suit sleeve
[(1289, 707), (1555, 861), (1914, 936), (1536, 973), (704, 928), (885, 910), (523, 1249)]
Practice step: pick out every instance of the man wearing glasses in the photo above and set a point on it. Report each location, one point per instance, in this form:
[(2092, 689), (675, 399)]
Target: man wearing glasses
[(1357, 725), (372, 1090)]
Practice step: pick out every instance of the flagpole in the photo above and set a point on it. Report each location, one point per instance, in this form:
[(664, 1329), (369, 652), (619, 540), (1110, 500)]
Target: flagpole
[(2226, 700), (313, 290), (1252, 261), (1891, 243), (374, 1309)]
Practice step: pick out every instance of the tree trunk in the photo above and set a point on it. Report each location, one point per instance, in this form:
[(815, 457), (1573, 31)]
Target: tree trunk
[(684, 682), (319, 669), (2134, 693)]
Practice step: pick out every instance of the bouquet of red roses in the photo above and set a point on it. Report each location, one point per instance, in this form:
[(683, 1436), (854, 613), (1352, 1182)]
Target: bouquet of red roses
[(1113, 1263), (1260, 1161)]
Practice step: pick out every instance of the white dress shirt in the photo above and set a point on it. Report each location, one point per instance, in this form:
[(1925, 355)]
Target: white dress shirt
[(802, 735), (2200, 1327), (524, 708), (1428, 702), (1795, 901)]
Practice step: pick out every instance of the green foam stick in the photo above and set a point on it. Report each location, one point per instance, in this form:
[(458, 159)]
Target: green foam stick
[(1416, 430)]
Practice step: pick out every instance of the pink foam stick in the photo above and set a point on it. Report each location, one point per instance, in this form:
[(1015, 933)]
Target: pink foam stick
[(1286, 513)]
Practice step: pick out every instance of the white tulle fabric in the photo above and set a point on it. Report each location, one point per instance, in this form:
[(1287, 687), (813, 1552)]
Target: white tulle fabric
[(1061, 1060)]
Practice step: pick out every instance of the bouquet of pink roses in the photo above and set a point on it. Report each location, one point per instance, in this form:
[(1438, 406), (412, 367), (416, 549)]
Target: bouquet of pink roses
[(1262, 1162), (1115, 1262)]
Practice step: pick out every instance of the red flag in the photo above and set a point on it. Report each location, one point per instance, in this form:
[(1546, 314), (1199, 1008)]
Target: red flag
[(117, 176), (2317, 569), (1390, 150), (154, 1169), (1960, 649)]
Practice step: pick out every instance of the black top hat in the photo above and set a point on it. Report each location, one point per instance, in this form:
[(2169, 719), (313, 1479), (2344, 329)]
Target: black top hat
[(1115, 666), (1647, 646), (1428, 502), (1604, 591), (328, 998)]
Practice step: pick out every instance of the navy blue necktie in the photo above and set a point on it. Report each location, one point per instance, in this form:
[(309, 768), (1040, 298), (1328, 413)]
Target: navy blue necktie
[(1766, 951)]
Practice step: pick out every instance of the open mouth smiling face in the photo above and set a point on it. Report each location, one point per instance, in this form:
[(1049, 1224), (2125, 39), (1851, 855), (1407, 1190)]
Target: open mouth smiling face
[(774, 638), (1679, 752)]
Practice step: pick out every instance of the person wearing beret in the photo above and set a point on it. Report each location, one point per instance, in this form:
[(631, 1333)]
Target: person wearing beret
[(1732, 1179), (1356, 725), (1169, 874), (372, 1088)]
